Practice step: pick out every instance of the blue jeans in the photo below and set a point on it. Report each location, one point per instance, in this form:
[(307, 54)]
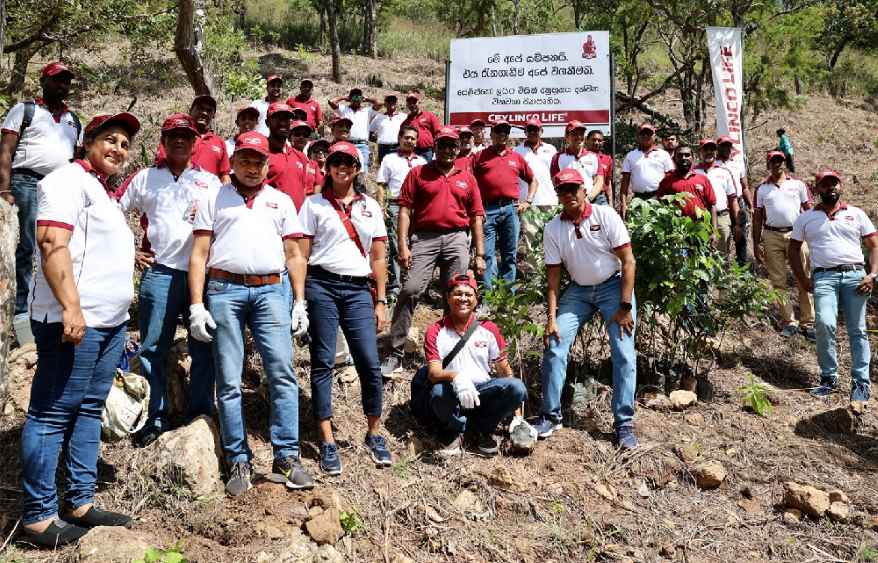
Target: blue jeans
[(68, 392), (164, 295), (426, 154), (601, 199), (265, 310), (363, 147), (384, 150), (332, 303), (577, 306), (437, 404), (24, 189), (831, 290), (501, 230)]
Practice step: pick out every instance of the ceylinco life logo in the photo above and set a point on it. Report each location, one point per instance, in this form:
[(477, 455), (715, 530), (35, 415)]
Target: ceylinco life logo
[(589, 49)]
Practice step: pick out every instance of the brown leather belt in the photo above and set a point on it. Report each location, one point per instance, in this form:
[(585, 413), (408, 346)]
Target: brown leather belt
[(244, 279), (779, 229)]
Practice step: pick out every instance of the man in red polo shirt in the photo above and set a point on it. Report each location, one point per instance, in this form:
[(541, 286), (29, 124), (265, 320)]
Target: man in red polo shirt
[(696, 186), (439, 204), (304, 101), (209, 153), (286, 164), (497, 170), (427, 124), (274, 85)]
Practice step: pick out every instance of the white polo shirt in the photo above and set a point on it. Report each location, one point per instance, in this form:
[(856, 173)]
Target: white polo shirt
[(486, 345), (386, 127), (737, 170), (230, 145), (101, 247), (261, 126), (722, 182), (834, 240), (589, 258), (360, 118), (47, 143), (331, 246), (394, 169), (539, 162), (248, 236), (647, 169), (782, 204), (170, 205)]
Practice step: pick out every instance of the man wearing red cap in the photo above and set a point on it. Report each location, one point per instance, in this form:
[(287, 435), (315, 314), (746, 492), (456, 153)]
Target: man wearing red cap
[(726, 195), (725, 145), (274, 85), (38, 137), (439, 205), (538, 156), (498, 170), (836, 233), (477, 126), (168, 195), (643, 168), (246, 120), (464, 159), (286, 164), (209, 153), (780, 200), (683, 180), (351, 107), (426, 122), (586, 162), (310, 105), (244, 239)]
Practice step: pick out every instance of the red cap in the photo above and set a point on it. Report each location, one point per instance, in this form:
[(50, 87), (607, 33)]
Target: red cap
[(775, 154), (339, 119), (205, 98), (464, 129), (413, 94), (55, 68), (319, 142), (646, 127), (296, 124), (573, 126), (344, 147), (447, 133), (463, 279), (534, 122), (476, 122), (568, 176), (725, 139), (826, 173), (126, 120), (500, 123), (244, 109), (252, 141), (278, 107), (179, 121), (272, 77), (706, 142)]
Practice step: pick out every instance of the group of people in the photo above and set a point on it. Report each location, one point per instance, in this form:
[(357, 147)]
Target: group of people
[(273, 230)]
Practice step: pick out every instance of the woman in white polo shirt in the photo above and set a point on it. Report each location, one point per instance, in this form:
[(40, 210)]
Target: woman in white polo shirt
[(344, 242), (79, 300)]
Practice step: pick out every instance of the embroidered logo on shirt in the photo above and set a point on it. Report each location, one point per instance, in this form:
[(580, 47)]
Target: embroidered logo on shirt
[(215, 149), (200, 184), (271, 204), (512, 163), (461, 184), (699, 187), (366, 213), (595, 228), (480, 343)]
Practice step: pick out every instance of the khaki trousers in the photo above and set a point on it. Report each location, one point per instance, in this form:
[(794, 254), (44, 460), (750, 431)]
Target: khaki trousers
[(776, 261), (724, 230)]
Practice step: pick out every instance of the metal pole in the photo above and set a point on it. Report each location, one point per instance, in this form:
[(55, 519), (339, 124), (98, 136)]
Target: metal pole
[(613, 125), (447, 95)]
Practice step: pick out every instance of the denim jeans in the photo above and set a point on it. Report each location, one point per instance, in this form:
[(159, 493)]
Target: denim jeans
[(363, 147), (834, 291), (384, 150), (577, 306), (601, 199), (437, 404), (501, 230), (741, 254), (265, 310), (164, 295), (394, 275), (332, 303), (24, 189), (426, 154), (68, 392)]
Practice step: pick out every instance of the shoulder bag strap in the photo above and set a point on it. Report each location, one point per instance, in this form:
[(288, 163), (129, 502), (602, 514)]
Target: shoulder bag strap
[(348, 225), (460, 344)]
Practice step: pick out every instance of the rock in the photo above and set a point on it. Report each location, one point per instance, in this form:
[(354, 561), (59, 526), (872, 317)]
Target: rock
[(668, 551), (348, 374), (298, 513), (400, 558), (838, 512), (690, 453), (325, 498), (327, 554), (325, 528), (709, 475), (837, 495), (315, 511), (112, 544), (792, 516), (872, 523), (681, 399), (858, 408), (296, 549), (413, 341), (605, 491), (502, 478), (643, 490), (694, 418), (809, 500), (25, 356), (467, 501), (659, 403), (191, 456)]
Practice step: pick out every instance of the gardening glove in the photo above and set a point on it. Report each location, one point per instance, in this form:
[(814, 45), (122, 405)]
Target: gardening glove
[(300, 319), (199, 321), (466, 391)]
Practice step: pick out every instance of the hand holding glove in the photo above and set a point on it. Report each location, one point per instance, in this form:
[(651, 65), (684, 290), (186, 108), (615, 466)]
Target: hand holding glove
[(199, 321), (466, 391), (300, 319)]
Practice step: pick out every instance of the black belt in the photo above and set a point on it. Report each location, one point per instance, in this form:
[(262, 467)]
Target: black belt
[(324, 274), (503, 202), (723, 212), (779, 229), (841, 268), (645, 195), (357, 141), (28, 172)]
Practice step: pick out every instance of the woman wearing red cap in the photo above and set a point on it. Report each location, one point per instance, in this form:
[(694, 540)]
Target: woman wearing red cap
[(344, 242), (79, 302)]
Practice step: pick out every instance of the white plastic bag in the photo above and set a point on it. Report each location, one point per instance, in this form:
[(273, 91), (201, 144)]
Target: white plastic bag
[(127, 406)]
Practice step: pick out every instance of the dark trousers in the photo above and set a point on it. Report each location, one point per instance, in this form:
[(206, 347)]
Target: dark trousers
[(384, 150), (23, 186), (790, 165)]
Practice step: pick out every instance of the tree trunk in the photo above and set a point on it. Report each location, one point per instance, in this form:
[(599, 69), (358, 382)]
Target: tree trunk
[(19, 69), (516, 13), (2, 25), (334, 47), (370, 22), (322, 39), (189, 45), (8, 241), (577, 14)]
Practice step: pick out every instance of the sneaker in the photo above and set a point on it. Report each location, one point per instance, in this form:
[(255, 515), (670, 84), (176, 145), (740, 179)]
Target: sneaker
[(295, 476), (96, 517), (860, 392), (625, 439), (825, 390), (239, 479), (392, 364), (146, 435), (58, 533), (451, 448), (486, 445), (809, 333), (789, 331), (545, 427), (330, 462), (378, 451)]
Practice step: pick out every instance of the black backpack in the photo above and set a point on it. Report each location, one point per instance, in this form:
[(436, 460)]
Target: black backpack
[(28, 117)]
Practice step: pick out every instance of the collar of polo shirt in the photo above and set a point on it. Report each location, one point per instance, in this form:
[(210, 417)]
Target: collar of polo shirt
[(102, 178), (842, 206), (585, 214)]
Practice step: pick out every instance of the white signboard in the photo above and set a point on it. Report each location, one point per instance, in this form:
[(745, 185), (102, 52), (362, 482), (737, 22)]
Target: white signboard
[(726, 62), (554, 77)]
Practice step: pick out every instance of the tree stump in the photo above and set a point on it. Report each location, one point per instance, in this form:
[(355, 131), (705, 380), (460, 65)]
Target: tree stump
[(8, 242)]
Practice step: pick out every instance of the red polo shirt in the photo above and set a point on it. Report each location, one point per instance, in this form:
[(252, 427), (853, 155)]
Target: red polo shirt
[(310, 106), (313, 176), (427, 125), (439, 202), (693, 183), (464, 162), (498, 174), (286, 172), (209, 154), (605, 169)]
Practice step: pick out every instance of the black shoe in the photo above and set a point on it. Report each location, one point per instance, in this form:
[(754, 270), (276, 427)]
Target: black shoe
[(58, 533), (146, 436), (239, 482), (97, 517), (486, 445), (295, 476)]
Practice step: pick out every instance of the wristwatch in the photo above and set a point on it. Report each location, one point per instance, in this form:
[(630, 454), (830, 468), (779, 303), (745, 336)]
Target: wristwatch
[(625, 306), (384, 301)]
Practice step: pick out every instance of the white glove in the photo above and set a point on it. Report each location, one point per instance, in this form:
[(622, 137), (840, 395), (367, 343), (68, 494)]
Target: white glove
[(199, 321), (300, 318), (466, 391)]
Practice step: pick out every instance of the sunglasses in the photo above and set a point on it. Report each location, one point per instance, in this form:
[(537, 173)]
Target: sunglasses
[(301, 132), (343, 160), (446, 146)]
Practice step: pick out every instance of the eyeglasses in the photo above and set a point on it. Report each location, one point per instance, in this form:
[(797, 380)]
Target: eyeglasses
[(301, 132)]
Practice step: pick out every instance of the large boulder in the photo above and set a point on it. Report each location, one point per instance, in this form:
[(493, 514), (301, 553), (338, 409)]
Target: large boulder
[(112, 544), (809, 500), (191, 455)]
